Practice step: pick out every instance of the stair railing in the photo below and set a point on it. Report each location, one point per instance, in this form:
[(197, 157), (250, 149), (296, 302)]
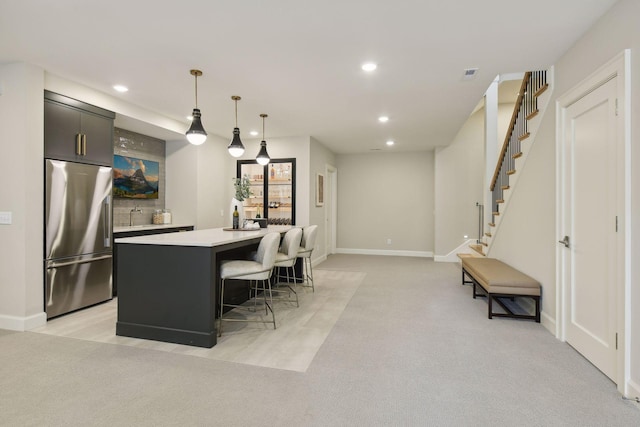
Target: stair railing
[(480, 221), (533, 84)]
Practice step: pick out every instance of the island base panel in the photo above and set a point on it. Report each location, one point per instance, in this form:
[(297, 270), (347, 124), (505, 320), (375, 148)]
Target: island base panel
[(197, 339)]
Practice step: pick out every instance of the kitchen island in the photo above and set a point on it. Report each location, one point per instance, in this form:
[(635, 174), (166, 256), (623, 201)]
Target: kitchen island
[(168, 282)]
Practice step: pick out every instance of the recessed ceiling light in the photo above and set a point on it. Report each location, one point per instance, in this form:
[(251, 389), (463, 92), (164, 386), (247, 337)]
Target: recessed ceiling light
[(369, 66), (383, 119), (390, 143), (253, 133), (121, 88)]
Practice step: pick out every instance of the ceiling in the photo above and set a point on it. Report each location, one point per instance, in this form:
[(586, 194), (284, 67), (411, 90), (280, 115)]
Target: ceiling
[(298, 60)]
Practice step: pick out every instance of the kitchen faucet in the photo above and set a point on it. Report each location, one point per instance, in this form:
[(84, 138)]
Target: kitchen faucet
[(135, 209)]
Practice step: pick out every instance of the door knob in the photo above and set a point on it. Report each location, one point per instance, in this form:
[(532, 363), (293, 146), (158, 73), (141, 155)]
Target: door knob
[(565, 241)]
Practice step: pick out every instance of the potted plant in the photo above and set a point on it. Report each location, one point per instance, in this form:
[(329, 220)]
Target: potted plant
[(242, 188)]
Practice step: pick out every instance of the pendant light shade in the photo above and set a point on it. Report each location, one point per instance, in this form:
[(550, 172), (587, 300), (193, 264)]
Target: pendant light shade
[(236, 149), (196, 133), (263, 157)]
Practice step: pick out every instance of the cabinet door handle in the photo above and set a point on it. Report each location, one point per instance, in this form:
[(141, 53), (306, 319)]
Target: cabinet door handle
[(79, 144), (84, 144)]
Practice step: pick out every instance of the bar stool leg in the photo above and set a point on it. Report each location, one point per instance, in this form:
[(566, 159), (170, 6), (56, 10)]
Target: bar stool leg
[(295, 285), (308, 275), (221, 307)]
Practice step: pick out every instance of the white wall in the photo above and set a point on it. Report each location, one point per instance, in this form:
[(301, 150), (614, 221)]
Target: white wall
[(459, 182), (530, 246), (181, 195), (215, 172), (386, 196), (22, 139)]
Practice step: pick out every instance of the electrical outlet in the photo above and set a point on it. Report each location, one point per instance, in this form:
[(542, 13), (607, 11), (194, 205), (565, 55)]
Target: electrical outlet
[(5, 218), (388, 241)]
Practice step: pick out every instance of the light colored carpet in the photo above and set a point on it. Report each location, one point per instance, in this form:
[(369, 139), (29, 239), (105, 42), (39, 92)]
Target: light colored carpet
[(411, 348)]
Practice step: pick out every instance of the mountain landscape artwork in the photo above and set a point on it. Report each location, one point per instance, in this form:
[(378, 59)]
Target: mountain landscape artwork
[(135, 178)]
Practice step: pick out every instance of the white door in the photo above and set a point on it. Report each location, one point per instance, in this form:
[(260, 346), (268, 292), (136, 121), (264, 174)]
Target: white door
[(590, 183)]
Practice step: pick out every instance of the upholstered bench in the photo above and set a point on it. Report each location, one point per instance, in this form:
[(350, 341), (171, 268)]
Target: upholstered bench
[(499, 280)]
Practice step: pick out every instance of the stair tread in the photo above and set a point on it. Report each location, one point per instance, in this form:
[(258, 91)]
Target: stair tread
[(511, 172), (541, 90), (524, 136), (496, 213), (505, 187), (500, 201), (533, 114), (477, 248), (517, 155), (488, 234), (492, 224)]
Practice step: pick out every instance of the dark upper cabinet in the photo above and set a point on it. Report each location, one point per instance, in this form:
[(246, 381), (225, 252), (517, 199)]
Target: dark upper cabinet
[(76, 131)]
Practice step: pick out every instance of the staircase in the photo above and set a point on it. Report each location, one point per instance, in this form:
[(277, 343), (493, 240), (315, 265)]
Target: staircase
[(533, 98)]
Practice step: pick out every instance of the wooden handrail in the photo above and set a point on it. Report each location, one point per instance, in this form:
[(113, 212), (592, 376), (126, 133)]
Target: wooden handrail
[(514, 117)]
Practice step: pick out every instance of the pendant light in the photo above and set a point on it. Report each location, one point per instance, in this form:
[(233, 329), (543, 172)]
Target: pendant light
[(235, 147), (263, 157), (196, 133)]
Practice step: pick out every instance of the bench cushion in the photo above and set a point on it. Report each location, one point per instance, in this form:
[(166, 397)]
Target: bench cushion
[(499, 278)]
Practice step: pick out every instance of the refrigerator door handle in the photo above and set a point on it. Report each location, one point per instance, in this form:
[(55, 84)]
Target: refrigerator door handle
[(80, 261), (107, 222)]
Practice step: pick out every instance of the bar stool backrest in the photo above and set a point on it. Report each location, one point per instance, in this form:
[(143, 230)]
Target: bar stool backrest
[(291, 243), (267, 250), (309, 237)]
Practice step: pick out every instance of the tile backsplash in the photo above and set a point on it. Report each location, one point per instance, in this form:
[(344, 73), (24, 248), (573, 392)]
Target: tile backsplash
[(131, 144)]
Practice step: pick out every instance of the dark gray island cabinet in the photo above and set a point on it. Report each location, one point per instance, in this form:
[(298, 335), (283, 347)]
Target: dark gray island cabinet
[(167, 283)]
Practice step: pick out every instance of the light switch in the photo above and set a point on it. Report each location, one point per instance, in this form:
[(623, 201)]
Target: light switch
[(5, 217)]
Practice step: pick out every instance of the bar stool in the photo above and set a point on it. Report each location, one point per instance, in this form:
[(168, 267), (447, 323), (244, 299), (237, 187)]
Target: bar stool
[(286, 258), (259, 269), (306, 248)]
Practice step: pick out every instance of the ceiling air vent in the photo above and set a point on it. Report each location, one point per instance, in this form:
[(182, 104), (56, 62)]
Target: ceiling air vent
[(470, 74)]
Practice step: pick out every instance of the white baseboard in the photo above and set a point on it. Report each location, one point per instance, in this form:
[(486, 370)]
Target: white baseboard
[(453, 255), (15, 323), (633, 391), (316, 261), (420, 254), (548, 322)]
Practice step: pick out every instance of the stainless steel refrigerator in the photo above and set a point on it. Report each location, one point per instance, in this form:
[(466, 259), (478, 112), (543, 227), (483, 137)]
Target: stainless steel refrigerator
[(78, 249)]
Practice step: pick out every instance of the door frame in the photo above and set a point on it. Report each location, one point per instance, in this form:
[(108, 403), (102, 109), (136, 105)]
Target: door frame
[(331, 214), (619, 68)]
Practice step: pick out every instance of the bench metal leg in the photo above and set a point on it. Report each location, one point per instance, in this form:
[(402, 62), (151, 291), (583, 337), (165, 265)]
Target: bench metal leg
[(491, 297)]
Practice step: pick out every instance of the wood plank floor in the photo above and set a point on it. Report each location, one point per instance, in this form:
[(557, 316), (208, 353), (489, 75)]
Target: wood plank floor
[(292, 346)]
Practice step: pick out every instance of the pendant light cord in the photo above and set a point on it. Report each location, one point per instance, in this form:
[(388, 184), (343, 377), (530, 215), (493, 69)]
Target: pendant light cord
[(236, 112), (196, 76)]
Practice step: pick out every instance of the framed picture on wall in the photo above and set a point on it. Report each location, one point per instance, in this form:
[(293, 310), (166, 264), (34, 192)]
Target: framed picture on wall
[(319, 189), (135, 178)]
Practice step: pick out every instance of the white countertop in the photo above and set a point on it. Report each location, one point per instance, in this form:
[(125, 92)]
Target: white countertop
[(207, 238), (127, 228)]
